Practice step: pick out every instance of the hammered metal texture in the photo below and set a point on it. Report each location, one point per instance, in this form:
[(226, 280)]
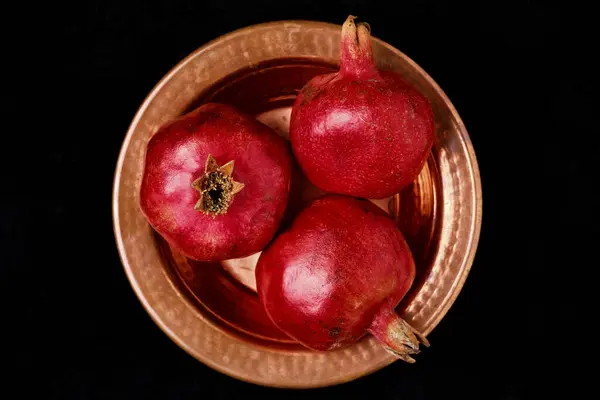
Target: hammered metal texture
[(458, 217)]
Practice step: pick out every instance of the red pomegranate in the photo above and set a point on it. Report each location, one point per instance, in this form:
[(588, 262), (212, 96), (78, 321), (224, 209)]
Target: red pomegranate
[(360, 131), (337, 273), (216, 183)]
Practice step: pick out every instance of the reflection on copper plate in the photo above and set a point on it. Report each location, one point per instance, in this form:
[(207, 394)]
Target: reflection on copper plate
[(211, 310)]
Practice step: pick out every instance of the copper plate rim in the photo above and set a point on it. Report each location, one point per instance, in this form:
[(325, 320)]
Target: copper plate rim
[(474, 229)]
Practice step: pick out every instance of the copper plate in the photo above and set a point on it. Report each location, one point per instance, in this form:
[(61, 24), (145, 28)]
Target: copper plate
[(211, 310)]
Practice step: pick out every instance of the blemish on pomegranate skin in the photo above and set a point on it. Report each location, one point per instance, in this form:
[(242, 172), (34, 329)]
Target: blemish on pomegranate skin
[(335, 331), (318, 94), (198, 119)]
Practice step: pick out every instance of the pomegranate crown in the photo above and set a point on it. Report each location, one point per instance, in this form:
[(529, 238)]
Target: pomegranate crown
[(356, 56)]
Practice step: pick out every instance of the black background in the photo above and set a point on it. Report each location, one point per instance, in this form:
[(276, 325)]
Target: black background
[(521, 76)]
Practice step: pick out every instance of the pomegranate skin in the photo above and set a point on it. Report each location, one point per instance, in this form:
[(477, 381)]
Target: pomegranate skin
[(176, 156), (360, 131), (339, 266)]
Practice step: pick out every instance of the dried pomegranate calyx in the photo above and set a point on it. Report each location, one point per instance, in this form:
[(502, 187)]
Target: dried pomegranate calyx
[(396, 335), (216, 187)]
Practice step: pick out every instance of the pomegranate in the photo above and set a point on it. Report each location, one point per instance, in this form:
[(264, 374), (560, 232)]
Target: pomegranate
[(361, 131), (216, 183), (337, 273)]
